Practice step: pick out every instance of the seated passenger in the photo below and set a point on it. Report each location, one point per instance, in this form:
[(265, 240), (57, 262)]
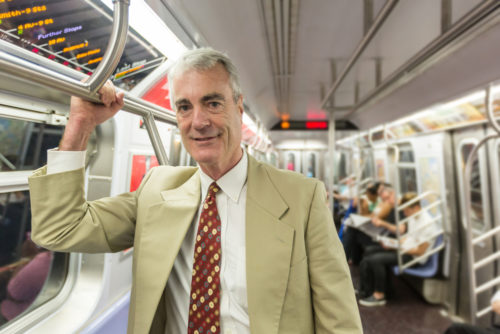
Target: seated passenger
[(457, 328), (374, 267), (355, 241), (369, 201)]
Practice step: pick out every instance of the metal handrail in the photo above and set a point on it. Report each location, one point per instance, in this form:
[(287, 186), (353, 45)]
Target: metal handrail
[(114, 49), (399, 208), (377, 23), (421, 227), (486, 235), (154, 135), (405, 250), (70, 82), (428, 207), (470, 241), (489, 284), (484, 311), (345, 179), (417, 259), (487, 260), (396, 193), (402, 72), (418, 198)]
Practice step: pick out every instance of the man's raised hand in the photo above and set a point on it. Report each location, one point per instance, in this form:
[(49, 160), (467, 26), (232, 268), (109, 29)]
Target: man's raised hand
[(85, 116)]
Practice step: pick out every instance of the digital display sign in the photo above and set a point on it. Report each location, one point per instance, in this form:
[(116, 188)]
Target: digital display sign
[(75, 33), (313, 125)]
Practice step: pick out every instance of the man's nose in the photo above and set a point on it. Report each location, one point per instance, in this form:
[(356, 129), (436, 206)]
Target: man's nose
[(201, 118)]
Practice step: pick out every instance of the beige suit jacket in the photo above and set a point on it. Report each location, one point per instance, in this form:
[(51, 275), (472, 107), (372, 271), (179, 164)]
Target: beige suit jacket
[(297, 277)]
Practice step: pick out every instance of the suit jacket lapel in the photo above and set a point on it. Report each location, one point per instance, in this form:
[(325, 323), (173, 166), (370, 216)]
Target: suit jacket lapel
[(269, 244), (164, 230)]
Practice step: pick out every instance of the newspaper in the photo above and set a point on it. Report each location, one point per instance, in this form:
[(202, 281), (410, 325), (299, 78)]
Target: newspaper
[(387, 241)]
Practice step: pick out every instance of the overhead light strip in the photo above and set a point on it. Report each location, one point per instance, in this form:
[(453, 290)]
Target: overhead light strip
[(145, 21)]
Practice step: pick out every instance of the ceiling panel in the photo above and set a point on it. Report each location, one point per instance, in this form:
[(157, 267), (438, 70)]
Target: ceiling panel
[(332, 29)]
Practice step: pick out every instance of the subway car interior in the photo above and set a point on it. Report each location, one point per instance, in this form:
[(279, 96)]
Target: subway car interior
[(354, 93)]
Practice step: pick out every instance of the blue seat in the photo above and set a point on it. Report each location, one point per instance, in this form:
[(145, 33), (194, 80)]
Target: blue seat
[(426, 270), (350, 209)]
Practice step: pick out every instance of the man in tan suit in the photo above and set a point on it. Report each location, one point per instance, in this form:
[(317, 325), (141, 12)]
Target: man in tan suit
[(234, 246)]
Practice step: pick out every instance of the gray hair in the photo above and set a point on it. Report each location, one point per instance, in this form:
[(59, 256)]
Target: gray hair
[(204, 59)]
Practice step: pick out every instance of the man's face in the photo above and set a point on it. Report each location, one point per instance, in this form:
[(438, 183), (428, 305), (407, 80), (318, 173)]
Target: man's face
[(208, 118)]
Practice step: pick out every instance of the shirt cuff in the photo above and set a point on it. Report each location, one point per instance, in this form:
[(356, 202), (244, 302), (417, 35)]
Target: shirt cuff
[(64, 161)]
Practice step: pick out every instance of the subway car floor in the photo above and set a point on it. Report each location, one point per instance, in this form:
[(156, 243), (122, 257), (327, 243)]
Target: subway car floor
[(405, 312)]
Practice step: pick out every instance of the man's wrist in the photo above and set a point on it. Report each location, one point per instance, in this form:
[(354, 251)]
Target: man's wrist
[(76, 135)]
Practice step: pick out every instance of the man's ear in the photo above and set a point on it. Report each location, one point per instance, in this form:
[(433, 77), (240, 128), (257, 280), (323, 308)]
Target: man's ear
[(240, 104)]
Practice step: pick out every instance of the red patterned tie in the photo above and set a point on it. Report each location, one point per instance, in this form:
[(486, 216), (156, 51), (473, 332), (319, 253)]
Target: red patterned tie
[(204, 310)]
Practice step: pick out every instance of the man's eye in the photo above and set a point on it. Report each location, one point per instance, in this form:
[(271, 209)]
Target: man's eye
[(183, 108), (214, 104)]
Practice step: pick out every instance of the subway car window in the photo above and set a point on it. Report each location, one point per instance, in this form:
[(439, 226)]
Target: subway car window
[(368, 164), (476, 189), (342, 166), (311, 168), (407, 180), (26, 270), (290, 161), (29, 275), (406, 153), (23, 144)]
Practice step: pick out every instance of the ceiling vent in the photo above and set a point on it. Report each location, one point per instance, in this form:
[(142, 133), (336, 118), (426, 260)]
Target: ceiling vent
[(281, 21)]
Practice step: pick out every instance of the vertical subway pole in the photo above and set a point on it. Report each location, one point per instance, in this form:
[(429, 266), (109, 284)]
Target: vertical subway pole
[(331, 157), (331, 137), (154, 135), (115, 47)]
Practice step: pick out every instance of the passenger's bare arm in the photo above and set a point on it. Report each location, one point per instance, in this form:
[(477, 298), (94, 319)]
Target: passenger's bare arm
[(388, 226), (384, 209), (419, 250), (85, 116)]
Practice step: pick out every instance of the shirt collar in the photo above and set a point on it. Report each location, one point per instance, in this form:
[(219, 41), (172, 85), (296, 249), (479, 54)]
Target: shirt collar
[(230, 183)]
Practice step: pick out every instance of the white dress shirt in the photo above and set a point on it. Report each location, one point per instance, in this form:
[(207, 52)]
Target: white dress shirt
[(426, 234), (231, 205), (233, 307)]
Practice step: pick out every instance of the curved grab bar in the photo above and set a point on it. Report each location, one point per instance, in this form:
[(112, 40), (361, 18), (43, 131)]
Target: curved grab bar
[(28, 68), (114, 49), (34, 70), (24, 69), (468, 222)]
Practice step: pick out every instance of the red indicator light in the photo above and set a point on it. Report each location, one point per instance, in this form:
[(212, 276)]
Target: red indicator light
[(65, 63), (316, 125), (52, 56), (35, 50)]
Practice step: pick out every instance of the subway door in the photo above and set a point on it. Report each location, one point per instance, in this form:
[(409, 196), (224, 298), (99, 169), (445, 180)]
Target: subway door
[(481, 217)]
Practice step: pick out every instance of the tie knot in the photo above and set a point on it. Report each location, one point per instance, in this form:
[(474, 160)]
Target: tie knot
[(213, 189)]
